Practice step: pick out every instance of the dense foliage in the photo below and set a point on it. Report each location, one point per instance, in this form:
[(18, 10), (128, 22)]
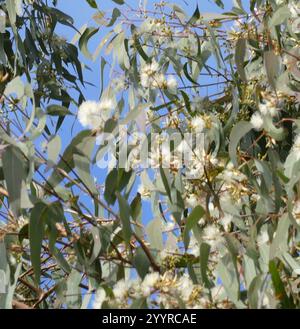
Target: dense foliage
[(81, 227)]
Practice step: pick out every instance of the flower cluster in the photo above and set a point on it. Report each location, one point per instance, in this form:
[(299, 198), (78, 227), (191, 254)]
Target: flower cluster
[(94, 114)]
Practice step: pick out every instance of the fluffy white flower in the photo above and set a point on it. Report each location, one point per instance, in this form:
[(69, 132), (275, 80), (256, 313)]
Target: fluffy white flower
[(211, 235), (214, 211), (192, 200), (257, 121), (149, 283), (106, 104), (100, 297), (226, 221), (158, 81), (194, 163), (94, 114), (120, 289), (172, 83), (268, 108), (185, 286), (149, 75), (194, 248), (88, 114), (197, 124)]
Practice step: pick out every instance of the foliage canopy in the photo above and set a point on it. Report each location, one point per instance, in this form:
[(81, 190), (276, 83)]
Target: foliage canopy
[(221, 230)]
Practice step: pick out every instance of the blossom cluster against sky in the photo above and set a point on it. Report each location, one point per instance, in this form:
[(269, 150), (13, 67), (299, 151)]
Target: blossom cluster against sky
[(82, 14)]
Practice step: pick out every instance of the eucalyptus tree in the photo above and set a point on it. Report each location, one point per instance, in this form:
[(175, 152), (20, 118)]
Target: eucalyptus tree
[(181, 187)]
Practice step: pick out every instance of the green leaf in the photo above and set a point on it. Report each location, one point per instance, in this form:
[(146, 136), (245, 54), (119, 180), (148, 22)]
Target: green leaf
[(92, 3), (53, 149), (73, 291), (66, 162), (115, 15), (204, 255), (97, 243), (111, 183), (240, 52), (125, 217), (187, 74), (255, 291), (237, 132), (279, 286), (219, 3), (272, 64), (58, 110), (141, 262), (194, 217), (119, 2), (279, 16), (103, 63), (82, 162), (41, 215), (10, 4), (14, 173), (228, 275), (84, 39), (280, 242), (154, 233), (37, 226), (165, 179), (140, 49), (195, 17)]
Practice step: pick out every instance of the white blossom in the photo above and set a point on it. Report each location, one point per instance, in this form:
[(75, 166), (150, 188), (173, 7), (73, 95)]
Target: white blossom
[(212, 235), (185, 286), (192, 200), (268, 108), (158, 81), (194, 248), (149, 283), (226, 220), (197, 124), (94, 114), (257, 121), (172, 83), (120, 290), (88, 113)]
